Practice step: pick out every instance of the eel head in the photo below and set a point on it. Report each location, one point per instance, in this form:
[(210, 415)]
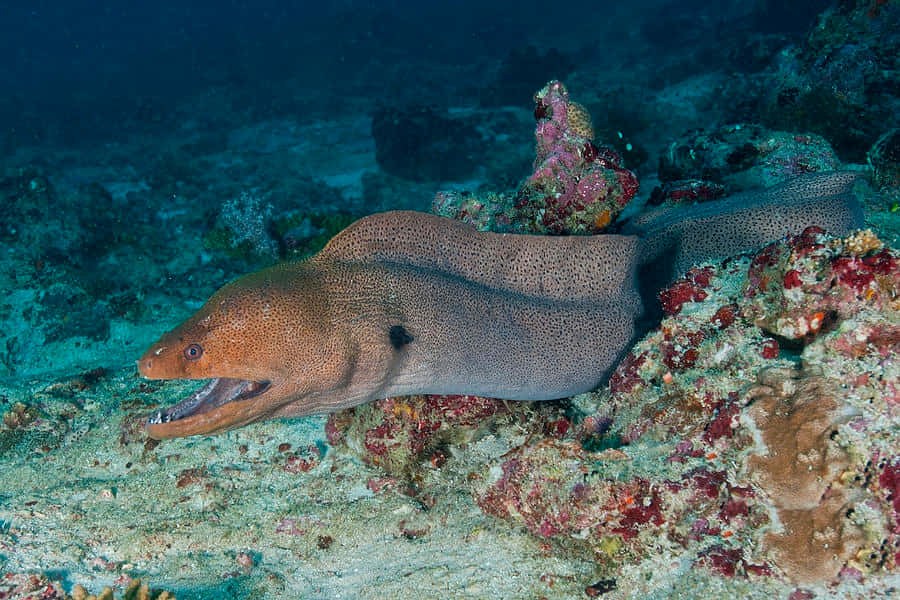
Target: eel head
[(259, 343)]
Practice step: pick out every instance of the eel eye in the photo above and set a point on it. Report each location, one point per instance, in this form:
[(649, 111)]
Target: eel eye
[(193, 352)]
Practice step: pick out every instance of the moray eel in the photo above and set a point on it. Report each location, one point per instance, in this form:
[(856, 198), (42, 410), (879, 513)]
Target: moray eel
[(410, 303)]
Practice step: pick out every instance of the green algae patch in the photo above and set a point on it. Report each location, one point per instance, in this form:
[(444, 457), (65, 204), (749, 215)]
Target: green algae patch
[(300, 235), (303, 234), (223, 239)]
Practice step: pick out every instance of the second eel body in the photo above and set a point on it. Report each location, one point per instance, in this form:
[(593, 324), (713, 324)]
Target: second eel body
[(404, 302)]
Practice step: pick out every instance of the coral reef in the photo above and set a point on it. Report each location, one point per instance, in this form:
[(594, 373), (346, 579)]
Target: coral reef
[(809, 282), (719, 459), (598, 502), (575, 187), (789, 472), (800, 466), (841, 83), (397, 434)]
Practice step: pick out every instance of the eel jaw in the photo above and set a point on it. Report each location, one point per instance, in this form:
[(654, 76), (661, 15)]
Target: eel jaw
[(219, 405)]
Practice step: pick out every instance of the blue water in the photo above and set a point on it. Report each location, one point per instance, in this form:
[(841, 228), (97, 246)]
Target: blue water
[(77, 70)]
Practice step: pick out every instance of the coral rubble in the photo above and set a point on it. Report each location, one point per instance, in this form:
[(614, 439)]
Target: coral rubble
[(20, 586)]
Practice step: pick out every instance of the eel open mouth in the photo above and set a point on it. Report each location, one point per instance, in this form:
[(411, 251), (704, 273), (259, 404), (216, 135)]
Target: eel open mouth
[(216, 393)]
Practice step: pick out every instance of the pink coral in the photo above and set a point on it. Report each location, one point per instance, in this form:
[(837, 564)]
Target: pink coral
[(688, 288), (545, 487), (575, 187)]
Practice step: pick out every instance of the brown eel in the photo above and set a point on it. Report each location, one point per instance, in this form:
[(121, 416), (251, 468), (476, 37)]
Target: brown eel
[(404, 302)]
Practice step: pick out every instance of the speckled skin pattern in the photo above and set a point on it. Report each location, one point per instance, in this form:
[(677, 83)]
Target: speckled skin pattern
[(511, 316), (518, 317), (677, 238)]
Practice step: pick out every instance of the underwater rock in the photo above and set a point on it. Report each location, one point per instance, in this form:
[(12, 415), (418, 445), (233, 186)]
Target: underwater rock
[(424, 143), (745, 156), (841, 82), (884, 156)]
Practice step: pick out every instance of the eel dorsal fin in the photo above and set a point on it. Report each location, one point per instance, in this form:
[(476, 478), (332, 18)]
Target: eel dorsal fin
[(572, 268)]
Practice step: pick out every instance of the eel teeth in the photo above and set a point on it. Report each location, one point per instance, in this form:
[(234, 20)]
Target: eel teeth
[(215, 393), (158, 417)]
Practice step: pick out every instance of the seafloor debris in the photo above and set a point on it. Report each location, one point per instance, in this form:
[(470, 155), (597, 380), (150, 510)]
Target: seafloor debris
[(23, 586)]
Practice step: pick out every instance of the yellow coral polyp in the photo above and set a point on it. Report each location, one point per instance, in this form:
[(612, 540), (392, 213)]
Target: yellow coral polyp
[(609, 545), (580, 120), (862, 242), (603, 219), (405, 410)]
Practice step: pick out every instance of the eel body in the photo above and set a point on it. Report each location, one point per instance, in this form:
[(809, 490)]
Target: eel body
[(404, 302)]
